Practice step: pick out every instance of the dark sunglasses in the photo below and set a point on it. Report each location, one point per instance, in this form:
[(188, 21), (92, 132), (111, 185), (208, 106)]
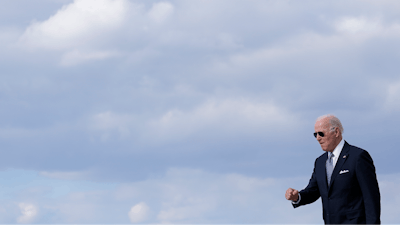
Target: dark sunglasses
[(321, 134)]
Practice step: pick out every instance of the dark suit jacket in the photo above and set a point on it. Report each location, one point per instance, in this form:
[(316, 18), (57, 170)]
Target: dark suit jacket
[(353, 196)]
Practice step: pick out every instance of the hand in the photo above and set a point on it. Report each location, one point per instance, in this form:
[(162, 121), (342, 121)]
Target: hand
[(292, 194)]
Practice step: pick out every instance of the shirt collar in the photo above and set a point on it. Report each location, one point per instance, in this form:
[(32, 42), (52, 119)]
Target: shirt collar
[(338, 148)]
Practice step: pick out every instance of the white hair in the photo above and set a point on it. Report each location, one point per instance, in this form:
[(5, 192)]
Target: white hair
[(333, 121)]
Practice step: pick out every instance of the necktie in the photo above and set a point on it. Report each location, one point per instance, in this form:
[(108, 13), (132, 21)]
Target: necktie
[(329, 167)]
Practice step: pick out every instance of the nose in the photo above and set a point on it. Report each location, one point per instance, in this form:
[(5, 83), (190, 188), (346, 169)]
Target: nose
[(319, 138)]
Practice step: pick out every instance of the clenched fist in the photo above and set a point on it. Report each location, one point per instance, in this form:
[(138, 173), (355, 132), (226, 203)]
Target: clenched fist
[(292, 194)]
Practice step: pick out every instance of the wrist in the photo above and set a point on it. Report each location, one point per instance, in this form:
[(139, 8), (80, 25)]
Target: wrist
[(298, 199)]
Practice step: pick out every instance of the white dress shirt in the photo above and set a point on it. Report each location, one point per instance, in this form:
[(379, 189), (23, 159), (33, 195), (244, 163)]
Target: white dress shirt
[(336, 152)]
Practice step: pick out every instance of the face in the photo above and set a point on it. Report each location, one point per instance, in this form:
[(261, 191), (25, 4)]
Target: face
[(331, 138)]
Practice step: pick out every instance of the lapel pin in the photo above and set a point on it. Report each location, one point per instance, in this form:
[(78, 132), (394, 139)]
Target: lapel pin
[(344, 157)]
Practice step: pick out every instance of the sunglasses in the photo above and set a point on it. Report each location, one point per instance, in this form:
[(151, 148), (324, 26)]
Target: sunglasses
[(321, 134)]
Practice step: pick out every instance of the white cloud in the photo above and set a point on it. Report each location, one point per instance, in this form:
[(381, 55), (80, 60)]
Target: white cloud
[(352, 33), (76, 57), (110, 124), (28, 211), (355, 25), (76, 24), (273, 50), (80, 27), (197, 208), (227, 116), (393, 96), (160, 11), (359, 29), (74, 175), (196, 196), (79, 208), (389, 186), (138, 212), (232, 116)]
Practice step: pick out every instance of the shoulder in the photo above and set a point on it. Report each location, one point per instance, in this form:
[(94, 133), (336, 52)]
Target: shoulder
[(357, 153), (354, 150), (322, 157)]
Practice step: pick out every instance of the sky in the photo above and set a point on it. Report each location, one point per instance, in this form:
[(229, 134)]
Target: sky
[(189, 112)]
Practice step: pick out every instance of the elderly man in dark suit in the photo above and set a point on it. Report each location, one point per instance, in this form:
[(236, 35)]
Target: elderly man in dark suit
[(344, 177)]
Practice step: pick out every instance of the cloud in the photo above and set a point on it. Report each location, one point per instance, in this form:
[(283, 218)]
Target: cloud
[(393, 96), (229, 116), (355, 25), (10, 133), (388, 184), (76, 24), (181, 195), (98, 30), (110, 124), (246, 75), (196, 196), (138, 212), (196, 209), (76, 57), (7, 38), (79, 175), (28, 211), (360, 30), (347, 36), (222, 86), (79, 207), (87, 30), (160, 11)]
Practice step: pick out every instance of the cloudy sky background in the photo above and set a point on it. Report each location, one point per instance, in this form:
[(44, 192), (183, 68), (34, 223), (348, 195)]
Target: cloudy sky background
[(200, 111)]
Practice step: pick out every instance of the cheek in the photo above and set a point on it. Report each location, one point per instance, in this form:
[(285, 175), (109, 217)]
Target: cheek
[(330, 141)]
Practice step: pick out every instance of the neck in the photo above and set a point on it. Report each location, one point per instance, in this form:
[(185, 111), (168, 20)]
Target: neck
[(336, 144)]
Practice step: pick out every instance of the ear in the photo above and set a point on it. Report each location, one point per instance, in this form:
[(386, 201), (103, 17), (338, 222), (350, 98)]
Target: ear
[(337, 131)]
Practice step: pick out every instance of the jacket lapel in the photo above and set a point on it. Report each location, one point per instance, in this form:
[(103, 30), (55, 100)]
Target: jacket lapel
[(322, 167), (342, 158)]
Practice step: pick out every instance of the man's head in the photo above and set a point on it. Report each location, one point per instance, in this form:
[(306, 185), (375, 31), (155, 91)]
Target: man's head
[(328, 131)]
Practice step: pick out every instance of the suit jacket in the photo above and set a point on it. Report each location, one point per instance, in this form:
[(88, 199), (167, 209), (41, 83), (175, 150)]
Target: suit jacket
[(353, 195)]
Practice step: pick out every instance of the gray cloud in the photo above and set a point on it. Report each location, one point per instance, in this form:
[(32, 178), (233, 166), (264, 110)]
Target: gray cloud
[(180, 196), (225, 86)]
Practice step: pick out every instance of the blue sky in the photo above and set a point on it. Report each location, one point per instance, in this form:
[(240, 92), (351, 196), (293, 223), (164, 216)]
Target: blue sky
[(200, 111)]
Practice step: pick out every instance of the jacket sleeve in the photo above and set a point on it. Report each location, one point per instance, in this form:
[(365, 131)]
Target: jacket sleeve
[(369, 187), (311, 193)]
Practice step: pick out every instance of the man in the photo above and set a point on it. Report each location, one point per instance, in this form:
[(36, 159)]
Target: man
[(344, 177)]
